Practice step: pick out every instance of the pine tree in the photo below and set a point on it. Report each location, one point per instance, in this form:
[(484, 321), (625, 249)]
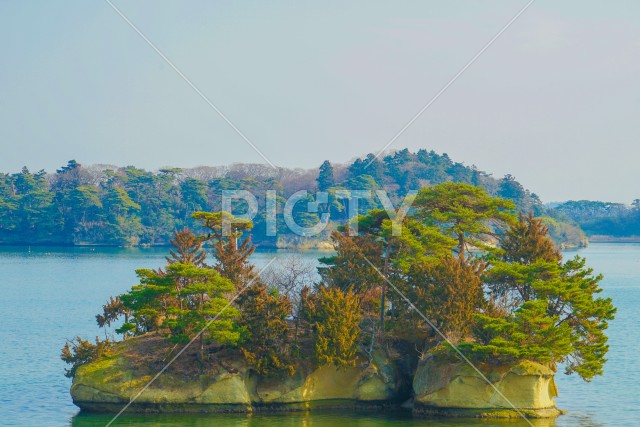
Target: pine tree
[(348, 270), (229, 250), (148, 302), (204, 306), (78, 352), (448, 293), (111, 312), (187, 249), (417, 244), (336, 327), (348, 267), (527, 241), (526, 254), (529, 334), (528, 274), (325, 176), (264, 317), (464, 212)]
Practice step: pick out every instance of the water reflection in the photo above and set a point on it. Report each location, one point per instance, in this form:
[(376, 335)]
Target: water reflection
[(306, 419)]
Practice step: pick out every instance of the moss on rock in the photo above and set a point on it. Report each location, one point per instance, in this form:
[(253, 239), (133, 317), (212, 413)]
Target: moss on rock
[(225, 384)]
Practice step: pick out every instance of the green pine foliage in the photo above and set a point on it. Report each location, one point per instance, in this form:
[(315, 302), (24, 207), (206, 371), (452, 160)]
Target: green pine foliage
[(267, 342), (347, 268), (230, 251), (336, 324), (78, 352), (529, 285), (492, 283), (448, 293), (465, 213), (202, 306), (183, 301), (529, 334), (187, 249), (325, 179)]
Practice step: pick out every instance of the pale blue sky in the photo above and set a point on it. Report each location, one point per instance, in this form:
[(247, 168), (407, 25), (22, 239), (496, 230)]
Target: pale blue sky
[(554, 101)]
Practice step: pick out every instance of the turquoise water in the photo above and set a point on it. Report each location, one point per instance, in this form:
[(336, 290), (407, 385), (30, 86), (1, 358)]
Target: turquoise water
[(52, 294)]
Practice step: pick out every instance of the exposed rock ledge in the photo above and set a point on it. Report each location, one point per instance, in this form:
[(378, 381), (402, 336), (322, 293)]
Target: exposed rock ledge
[(227, 385), (453, 388)]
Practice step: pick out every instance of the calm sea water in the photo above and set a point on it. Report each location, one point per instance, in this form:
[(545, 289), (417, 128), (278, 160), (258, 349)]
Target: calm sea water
[(48, 295)]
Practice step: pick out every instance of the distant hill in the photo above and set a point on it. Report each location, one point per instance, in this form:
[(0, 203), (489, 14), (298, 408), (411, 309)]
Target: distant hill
[(603, 220), (109, 205)]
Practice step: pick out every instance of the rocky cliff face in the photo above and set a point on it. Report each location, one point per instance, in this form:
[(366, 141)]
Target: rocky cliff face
[(453, 388), (224, 383), (108, 384)]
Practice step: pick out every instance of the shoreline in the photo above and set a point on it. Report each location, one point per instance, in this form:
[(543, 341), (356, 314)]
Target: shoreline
[(613, 239), (270, 247), (592, 239)]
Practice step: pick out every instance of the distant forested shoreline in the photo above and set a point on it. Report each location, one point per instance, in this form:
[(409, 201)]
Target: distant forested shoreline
[(106, 205), (604, 221)]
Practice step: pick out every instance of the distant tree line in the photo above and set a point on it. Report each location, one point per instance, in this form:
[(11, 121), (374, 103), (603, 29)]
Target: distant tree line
[(106, 205), (602, 218)]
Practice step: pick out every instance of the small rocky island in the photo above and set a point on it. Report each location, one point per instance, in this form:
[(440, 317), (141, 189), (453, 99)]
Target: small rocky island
[(226, 383), (460, 308)]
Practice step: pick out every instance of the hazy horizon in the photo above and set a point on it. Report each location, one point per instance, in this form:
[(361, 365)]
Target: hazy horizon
[(553, 101)]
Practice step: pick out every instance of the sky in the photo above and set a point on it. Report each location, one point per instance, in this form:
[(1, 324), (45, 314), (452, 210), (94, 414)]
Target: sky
[(554, 101)]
